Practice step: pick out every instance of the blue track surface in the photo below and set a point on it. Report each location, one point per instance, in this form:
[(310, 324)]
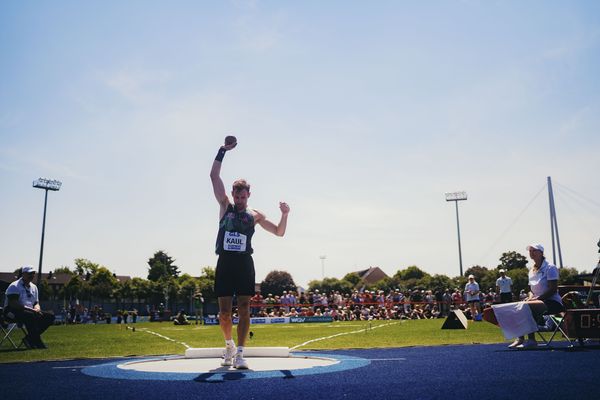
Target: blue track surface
[(445, 372)]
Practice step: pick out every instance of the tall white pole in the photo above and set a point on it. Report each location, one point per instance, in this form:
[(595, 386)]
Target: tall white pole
[(323, 266), (456, 197), (554, 226)]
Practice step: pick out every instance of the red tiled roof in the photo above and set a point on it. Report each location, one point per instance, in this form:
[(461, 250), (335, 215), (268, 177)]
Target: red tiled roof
[(372, 274)]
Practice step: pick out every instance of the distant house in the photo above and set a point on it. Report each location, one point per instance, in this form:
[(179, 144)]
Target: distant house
[(6, 278), (371, 275), (55, 281), (123, 278)]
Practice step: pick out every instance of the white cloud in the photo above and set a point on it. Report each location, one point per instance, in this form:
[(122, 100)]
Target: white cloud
[(137, 85), (36, 159), (578, 122)]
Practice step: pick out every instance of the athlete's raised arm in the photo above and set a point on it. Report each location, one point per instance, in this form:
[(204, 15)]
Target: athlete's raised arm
[(279, 229), (215, 176)]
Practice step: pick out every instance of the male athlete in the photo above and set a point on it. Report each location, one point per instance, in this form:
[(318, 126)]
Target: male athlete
[(235, 267)]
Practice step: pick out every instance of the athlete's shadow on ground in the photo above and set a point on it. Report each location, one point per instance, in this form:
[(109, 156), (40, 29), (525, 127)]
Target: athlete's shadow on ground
[(226, 375)]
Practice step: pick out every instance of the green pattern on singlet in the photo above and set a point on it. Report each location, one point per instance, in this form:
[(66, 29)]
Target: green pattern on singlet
[(236, 221)]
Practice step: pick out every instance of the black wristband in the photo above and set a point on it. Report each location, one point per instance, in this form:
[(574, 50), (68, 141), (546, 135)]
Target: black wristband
[(220, 154)]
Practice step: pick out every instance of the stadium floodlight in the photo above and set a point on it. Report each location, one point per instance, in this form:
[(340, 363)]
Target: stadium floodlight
[(46, 184), (456, 197), (323, 257)]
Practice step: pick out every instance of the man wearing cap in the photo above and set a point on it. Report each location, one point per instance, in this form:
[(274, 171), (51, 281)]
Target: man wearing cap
[(504, 287), (22, 304)]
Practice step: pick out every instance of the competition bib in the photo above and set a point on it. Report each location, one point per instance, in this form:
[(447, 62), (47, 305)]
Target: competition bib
[(234, 241)]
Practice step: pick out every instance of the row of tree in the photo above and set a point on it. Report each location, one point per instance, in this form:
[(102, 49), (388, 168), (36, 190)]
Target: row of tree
[(95, 283), (413, 277)]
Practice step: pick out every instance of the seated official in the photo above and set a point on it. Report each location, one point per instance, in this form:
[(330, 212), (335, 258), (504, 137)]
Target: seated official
[(22, 305), (543, 298)]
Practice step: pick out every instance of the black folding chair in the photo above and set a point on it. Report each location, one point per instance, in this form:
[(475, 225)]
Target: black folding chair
[(10, 327), (557, 323)]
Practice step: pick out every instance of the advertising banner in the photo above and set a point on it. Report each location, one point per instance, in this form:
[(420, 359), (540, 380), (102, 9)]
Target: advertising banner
[(256, 321), (270, 320), (299, 320)]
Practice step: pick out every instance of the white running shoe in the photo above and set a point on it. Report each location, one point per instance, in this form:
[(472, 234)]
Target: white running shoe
[(228, 355), (528, 344), (239, 362), (516, 343)]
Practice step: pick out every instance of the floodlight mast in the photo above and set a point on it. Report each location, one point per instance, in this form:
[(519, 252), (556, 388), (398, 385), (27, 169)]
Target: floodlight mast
[(46, 184), (456, 197)]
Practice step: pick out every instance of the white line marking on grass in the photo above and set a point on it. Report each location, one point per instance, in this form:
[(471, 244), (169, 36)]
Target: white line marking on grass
[(341, 334), (164, 337)]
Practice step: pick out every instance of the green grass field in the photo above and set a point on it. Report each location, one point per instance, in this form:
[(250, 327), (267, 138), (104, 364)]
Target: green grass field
[(97, 341)]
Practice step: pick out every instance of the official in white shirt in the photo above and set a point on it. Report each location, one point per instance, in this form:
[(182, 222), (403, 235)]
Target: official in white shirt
[(22, 304), (504, 287), (543, 297)]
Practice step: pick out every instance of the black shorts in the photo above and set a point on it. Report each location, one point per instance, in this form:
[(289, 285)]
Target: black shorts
[(553, 306), (506, 297), (234, 275)]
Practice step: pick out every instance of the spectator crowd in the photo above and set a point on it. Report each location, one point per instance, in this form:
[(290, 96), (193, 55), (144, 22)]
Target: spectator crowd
[(367, 305)]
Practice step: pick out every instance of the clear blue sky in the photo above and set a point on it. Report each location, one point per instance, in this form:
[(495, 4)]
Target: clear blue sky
[(359, 115)]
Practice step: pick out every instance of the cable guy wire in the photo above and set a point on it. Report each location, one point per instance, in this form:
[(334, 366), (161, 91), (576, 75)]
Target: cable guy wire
[(512, 224)]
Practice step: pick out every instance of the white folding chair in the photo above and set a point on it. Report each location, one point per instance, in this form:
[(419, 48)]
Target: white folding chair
[(554, 324)]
